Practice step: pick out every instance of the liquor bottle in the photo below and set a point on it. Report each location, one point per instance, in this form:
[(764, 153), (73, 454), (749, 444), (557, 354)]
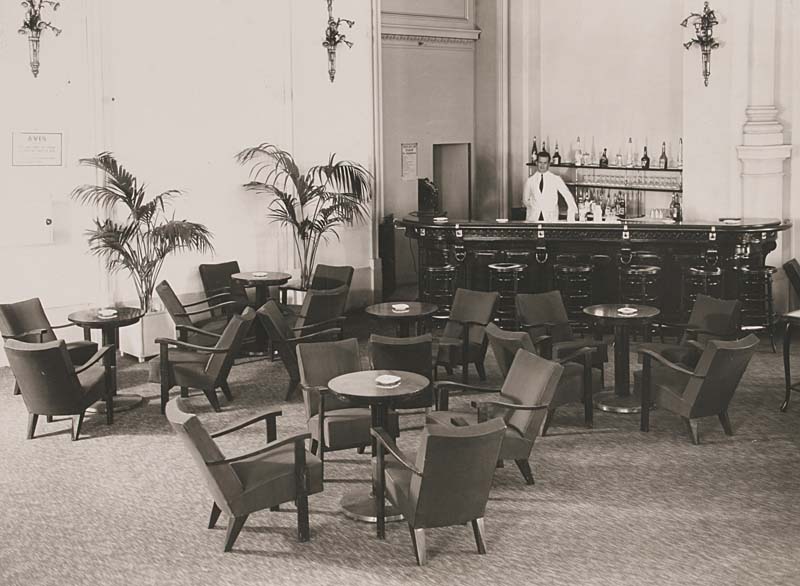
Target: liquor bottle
[(675, 209), (604, 159), (556, 156), (621, 205), (534, 151), (578, 152), (629, 161), (680, 152), (662, 160), (645, 159)]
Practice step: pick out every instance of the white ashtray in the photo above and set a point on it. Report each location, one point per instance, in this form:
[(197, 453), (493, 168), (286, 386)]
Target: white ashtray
[(440, 219), (399, 307), (501, 220), (627, 310), (107, 312), (260, 274), (387, 380)]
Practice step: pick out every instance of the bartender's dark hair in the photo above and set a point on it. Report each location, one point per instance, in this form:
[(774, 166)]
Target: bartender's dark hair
[(543, 153)]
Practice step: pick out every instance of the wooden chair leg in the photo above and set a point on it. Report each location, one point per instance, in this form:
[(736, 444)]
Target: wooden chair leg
[(301, 491), (184, 392), (418, 540), (226, 390), (726, 422), (448, 369), (48, 418), (235, 525), (212, 519), (693, 425), (525, 467), (77, 421), (32, 419), (361, 449), (211, 395), (547, 421), (290, 390), (478, 530), (164, 395), (16, 388), (481, 370)]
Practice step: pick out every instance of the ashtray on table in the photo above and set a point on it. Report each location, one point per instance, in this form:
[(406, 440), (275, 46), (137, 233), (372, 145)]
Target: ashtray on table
[(400, 307), (387, 380), (627, 310)]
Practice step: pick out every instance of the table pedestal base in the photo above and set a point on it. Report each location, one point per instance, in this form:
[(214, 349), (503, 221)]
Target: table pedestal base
[(121, 403), (610, 402), (360, 505)]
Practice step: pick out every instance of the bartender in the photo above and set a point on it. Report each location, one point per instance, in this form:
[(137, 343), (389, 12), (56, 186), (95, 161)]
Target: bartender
[(542, 189)]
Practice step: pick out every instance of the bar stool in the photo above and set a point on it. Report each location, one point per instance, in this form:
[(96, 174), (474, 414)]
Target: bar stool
[(479, 279), (522, 257), (699, 279), (639, 279), (755, 293), (504, 278), (439, 287), (573, 277)]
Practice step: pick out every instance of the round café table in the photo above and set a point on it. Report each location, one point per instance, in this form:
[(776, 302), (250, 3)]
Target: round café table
[(261, 281), (362, 388), (90, 319), (622, 317), (415, 313)]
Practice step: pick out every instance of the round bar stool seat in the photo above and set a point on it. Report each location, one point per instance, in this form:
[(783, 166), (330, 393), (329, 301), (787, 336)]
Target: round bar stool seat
[(439, 287), (755, 293), (504, 277)]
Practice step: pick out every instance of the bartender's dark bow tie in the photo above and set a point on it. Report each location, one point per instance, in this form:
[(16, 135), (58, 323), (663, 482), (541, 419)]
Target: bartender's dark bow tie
[(541, 182)]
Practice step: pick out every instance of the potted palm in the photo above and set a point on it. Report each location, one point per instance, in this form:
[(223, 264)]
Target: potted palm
[(140, 241), (314, 203)]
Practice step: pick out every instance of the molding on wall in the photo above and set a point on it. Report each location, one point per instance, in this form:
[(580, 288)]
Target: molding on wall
[(418, 35)]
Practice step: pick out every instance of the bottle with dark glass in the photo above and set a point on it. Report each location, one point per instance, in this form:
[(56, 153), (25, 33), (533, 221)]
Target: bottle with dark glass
[(675, 209), (662, 160), (604, 159), (645, 159), (534, 151), (556, 156), (620, 205)]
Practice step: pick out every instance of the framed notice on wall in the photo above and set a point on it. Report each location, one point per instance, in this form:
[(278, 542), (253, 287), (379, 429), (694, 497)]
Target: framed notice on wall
[(408, 161), (36, 149)]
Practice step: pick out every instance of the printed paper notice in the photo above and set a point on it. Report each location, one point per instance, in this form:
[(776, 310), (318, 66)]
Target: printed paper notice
[(408, 161), (36, 149)]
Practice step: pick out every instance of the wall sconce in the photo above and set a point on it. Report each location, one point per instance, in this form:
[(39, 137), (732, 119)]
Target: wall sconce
[(333, 37), (703, 29), (33, 25)]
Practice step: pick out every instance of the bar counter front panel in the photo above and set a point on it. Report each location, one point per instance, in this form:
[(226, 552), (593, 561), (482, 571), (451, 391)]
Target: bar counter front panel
[(727, 244)]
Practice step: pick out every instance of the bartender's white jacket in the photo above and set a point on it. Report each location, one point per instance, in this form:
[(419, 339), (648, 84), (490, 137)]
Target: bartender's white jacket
[(539, 202)]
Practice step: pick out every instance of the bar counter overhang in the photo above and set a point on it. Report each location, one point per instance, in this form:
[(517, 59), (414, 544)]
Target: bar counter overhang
[(728, 244)]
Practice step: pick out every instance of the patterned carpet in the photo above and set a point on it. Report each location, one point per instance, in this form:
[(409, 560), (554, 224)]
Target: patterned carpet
[(611, 505)]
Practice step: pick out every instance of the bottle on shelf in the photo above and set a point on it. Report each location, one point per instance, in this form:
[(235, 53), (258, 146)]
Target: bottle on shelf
[(556, 156), (662, 160), (629, 157), (544, 148), (604, 159), (578, 152), (534, 151), (675, 209), (645, 159), (680, 152), (619, 159)]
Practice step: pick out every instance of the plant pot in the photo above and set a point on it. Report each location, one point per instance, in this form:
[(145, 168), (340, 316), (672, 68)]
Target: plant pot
[(137, 340)]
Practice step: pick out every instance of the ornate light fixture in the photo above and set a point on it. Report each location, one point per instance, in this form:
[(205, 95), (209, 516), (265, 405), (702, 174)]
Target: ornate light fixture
[(33, 25), (703, 28), (333, 37)]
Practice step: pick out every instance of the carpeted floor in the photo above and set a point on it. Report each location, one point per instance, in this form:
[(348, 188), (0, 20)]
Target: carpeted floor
[(611, 505)]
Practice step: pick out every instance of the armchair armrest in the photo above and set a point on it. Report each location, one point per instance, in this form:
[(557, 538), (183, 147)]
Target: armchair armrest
[(216, 297), (182, 327), (319, 324), (187, 346), (695, 344), (270, 416), (272, 446), (658, 357), (505, 405), (384, 440), (320, 336), (206, 309), (694, 332), (97, 356), (35, 332), (584, 352), (66, 325), (441, 392), (543, 324)]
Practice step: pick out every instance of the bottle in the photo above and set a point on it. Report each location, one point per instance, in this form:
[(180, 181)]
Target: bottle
[(556, 156), (680, 152), (645, 159), (604, 159), (544, 147), (621, 205), (675, 209), (629, 158), (619, 159), (534, 151), (578, 152), (662, 160)]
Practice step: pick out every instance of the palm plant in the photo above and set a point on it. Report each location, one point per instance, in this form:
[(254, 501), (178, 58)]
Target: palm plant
[(140, 242), (315, 203)]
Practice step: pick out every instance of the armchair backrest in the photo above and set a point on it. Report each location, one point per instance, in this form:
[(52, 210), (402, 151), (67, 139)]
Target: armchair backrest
[(222, 481), (46, 376), (792, 270), (279, 334), (319, 363), (25, 316), (722, 317), (457, 465), (542, 308), (331, 277), (414, 354), (505, 344), (216, 279), (531, 380), (219, 365), (475, 306), (172, 304), (321, 305), (723, 363)]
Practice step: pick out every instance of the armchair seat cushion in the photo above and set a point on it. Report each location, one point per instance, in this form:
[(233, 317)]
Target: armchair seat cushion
[(176, 356), (677, 353), (212, 324), (599, 356), (570, 386), (450, 350), (268, 479), (80, 351), (515, 446), (347, 428), (667, 388)]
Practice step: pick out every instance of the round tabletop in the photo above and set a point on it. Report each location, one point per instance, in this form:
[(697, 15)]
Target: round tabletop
[(416, 309), (90, 318), (617, 312), (362, 385), (793, 317), (261, 278)]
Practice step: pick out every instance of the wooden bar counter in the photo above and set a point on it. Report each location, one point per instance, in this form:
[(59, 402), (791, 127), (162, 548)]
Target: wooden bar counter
[(729, 245)]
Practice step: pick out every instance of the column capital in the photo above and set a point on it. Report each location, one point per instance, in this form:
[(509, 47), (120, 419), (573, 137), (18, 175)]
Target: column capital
[(763, 160)]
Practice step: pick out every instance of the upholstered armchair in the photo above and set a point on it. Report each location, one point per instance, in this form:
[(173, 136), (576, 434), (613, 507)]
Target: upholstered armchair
[(321, 309), (576, 383), (52, 386), (201, 367), (446, 483), (703, 391), (463, 340), (265, 478), (414, 354), (324, 277), (189, 325), (219, 287), (522, 402), (285, 340), (544, 314), (26, 321)]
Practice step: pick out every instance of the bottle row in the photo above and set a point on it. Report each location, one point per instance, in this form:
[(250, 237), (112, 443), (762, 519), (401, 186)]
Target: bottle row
[(601, 204), (631, 159)]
